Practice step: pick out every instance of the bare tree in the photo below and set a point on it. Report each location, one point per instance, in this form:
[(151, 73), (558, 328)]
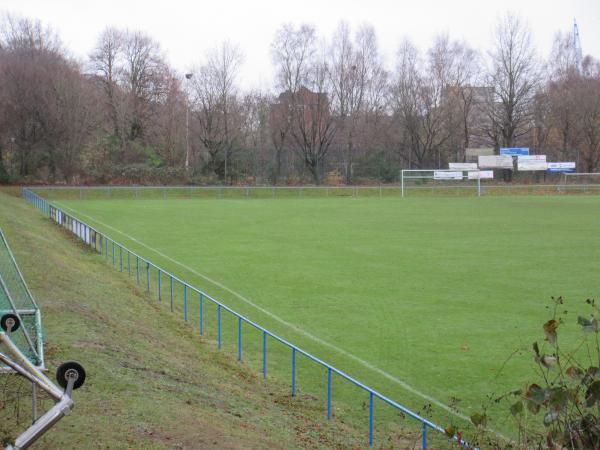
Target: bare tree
[(292, 51), (69, 122), (559, 95), (27, 50), (166, 125), (418, 96), (563, 61), (454, 66), (303, 110), (216, 106), (48, 110), (514, 77), (345, 95), (255, 160), (587, 99), (135, 79), (106, 63), (357, 79), (313, 127), (145, 76)]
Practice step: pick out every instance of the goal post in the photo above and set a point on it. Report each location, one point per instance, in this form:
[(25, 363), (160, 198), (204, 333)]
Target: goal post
[(443, 180), (580, 182)]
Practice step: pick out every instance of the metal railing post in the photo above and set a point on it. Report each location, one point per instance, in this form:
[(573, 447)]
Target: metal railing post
[(264, 351), (293, 372), (219, 326), (329, 393), (201, 314), (371, 400), (159, 276), (148, 276), (171, 278), (239, 338), (185, 303)]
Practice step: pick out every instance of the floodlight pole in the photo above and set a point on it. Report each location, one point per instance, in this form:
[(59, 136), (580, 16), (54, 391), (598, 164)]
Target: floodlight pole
[(188, 76)]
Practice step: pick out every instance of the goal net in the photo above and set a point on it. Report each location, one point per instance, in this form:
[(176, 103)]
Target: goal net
[(580, 183), (30, 403), (443, 182)]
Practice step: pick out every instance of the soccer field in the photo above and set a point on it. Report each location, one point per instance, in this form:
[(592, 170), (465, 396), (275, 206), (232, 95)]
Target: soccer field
[(421, 298)]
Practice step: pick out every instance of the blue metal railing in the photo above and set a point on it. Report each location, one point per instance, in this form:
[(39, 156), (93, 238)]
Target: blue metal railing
[(101, 243)]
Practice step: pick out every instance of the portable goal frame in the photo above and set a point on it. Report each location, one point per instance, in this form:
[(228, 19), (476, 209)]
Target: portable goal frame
[(22, 350), (429, 174)]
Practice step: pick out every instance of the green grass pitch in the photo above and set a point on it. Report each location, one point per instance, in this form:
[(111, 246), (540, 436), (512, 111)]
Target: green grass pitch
[(433, 293)]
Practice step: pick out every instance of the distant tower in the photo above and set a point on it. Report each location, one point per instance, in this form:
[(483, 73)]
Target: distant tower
[(577, 46)]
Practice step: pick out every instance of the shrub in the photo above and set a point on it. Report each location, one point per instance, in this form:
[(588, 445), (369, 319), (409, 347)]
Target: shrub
[(561, 408)]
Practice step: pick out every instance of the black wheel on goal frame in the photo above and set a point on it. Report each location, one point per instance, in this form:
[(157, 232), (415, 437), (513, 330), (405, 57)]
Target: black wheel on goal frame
[(70, 370), (10, 321)]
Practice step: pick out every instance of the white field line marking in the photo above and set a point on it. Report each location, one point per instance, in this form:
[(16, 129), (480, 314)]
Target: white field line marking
[(362, 362)]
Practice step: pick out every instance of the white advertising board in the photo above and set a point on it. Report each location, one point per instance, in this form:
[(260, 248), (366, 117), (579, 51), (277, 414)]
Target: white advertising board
[(482, 175), (442, 175), (462, 166), (532, 162), (532, 158), (495, 162)]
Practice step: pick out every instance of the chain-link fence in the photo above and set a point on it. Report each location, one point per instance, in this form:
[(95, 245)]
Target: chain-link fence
[(421, 188)]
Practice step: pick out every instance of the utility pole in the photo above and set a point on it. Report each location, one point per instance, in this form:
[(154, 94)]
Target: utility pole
[(188, 76)]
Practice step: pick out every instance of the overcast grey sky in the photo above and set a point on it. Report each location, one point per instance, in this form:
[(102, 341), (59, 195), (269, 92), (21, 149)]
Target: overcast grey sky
[(186, 30)]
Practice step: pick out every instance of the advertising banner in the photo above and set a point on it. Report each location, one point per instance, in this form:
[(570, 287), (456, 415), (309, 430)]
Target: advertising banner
[(441, 175), (514, 151), (532, 162), (462, 166), (482, 175), (561, 167), (496, 162)]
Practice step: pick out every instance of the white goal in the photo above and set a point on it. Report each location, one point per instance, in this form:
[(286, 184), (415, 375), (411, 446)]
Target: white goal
[(580, 183), (443, 181)]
